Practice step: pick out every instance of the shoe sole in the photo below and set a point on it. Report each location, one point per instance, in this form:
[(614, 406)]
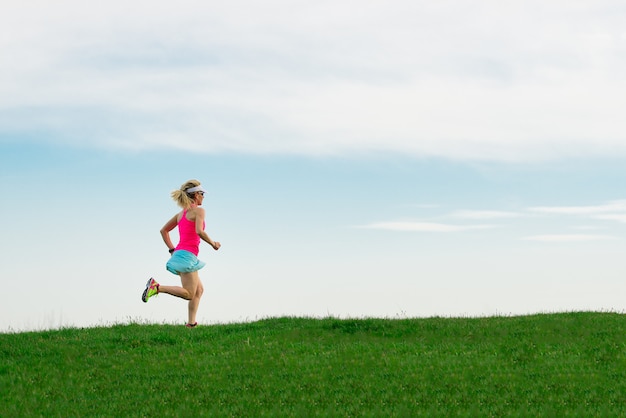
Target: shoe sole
[(145, 292)]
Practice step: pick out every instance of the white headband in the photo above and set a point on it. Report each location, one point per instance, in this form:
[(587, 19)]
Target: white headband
[(195, 189)]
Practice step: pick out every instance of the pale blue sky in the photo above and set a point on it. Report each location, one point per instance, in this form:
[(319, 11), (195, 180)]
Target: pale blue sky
[(362, 158)]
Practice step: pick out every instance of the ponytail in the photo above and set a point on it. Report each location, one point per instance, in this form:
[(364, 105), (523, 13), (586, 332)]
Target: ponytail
[(181, 197)]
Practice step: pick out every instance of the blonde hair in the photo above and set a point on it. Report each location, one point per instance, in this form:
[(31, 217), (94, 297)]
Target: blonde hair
[(181, 197)]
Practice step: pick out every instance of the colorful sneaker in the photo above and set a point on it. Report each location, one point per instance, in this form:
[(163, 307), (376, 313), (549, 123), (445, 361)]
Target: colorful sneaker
[(191, 325), (152, 288)]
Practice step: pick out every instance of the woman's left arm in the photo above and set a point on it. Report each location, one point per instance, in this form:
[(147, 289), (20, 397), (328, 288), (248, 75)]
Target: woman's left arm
[(200, 230)]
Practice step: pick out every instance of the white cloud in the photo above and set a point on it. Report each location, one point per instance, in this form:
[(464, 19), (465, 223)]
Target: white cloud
[(485, 214), (466, 80), (613, 206), (423, 227), (611, 211), (586, 228), (620, 217), (568, 238)]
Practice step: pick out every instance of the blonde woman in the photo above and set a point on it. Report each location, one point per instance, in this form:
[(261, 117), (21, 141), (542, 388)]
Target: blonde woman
[(184, 260)]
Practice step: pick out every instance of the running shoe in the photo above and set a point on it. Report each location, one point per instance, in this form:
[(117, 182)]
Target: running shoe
[(152, 288), (191, 325)]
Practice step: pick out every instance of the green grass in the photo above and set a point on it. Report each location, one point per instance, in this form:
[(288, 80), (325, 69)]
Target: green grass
[(570, 364)]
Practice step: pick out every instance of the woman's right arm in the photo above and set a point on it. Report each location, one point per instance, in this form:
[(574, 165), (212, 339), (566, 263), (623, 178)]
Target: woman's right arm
[(165, 231)]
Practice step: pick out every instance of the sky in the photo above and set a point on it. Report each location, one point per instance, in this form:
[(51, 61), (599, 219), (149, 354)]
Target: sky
[(362, 159)]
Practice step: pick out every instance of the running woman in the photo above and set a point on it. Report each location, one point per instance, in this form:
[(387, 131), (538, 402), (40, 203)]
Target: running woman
[(184, 257)]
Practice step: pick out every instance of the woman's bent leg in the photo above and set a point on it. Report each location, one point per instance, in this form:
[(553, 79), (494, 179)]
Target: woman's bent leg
[(187, 291)]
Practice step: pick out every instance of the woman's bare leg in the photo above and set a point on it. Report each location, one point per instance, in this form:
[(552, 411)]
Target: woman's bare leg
[(191, 290), (187, 291), (194, 302)]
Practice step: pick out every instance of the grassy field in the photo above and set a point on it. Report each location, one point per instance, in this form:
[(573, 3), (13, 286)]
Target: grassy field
[(570, 364)]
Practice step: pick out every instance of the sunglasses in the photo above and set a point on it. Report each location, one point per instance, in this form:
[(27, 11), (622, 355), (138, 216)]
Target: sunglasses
[(201, 194)]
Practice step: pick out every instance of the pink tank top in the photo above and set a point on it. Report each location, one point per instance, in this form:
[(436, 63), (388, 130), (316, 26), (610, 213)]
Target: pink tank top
[(189, 240)]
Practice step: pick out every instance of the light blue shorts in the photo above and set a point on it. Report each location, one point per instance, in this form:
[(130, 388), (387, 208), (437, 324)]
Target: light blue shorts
[(183, 262)]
